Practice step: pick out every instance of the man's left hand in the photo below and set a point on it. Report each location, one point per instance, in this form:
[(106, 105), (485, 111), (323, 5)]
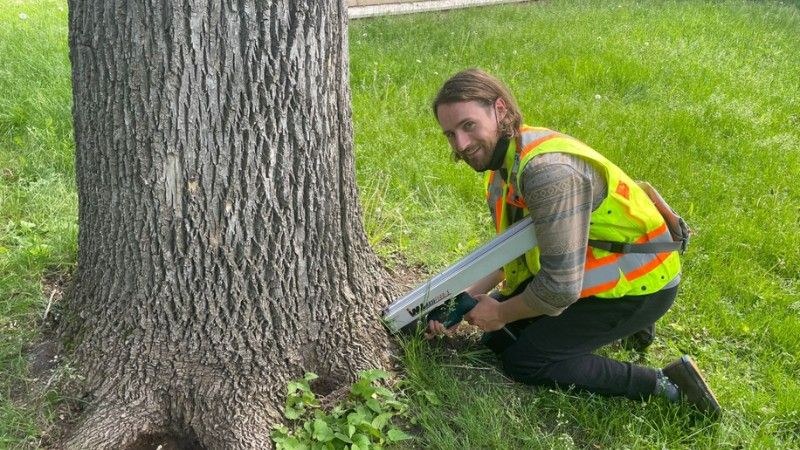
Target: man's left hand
[(486, 315)]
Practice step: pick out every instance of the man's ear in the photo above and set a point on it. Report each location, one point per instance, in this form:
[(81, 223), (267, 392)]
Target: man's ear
[(500, 108)]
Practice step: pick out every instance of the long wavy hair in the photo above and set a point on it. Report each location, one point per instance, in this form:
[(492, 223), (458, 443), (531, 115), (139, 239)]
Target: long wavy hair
[(476, 85)]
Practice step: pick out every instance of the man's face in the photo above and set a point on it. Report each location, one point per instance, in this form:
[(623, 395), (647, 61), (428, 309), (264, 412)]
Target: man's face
[(471, 129)]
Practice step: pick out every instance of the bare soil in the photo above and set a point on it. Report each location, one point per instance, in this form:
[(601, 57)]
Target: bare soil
[(48, 384)]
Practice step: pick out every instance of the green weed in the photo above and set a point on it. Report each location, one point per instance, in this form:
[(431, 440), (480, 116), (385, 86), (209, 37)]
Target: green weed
[(38, 226), (363, 420)]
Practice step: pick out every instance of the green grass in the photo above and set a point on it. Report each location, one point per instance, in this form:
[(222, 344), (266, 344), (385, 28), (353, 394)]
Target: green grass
[(700, 98), (38, 230)]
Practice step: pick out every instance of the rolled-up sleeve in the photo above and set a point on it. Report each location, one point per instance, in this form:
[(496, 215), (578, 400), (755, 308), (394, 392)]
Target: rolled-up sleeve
[(559, 198)]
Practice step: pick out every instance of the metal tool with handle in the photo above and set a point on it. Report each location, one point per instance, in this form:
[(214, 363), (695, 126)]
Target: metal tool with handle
[(406, 311)]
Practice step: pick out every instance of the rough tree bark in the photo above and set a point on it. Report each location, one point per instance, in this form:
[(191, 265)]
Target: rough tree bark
[(221, 251)]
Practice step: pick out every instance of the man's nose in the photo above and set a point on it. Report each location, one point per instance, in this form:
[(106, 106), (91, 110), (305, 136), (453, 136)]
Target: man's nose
[(461, 141)]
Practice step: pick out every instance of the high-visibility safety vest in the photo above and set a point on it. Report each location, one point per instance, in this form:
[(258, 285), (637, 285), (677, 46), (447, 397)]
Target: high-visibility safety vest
[(626, 215)]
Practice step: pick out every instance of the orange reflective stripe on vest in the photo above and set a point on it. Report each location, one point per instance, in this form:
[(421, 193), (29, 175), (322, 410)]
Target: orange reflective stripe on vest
[(603, 274)]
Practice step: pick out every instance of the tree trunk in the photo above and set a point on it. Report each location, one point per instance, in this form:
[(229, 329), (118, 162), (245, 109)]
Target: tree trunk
[(221, 249)]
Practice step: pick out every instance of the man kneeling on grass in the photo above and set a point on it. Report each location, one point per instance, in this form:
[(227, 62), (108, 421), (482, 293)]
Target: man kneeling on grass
[(580, 289)]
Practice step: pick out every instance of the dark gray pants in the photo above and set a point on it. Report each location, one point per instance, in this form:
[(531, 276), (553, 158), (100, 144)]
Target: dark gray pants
[(557, 351)]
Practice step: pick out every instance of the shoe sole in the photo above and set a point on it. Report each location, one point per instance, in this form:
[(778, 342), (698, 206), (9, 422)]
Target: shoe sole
[(712, 405)]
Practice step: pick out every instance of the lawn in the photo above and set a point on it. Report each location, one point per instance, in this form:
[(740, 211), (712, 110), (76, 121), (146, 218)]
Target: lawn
[(702, 99)]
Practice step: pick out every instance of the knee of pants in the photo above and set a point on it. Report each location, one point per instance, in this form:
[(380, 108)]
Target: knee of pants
[(526, 370)]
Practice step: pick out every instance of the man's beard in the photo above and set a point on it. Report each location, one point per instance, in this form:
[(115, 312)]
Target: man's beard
[(472, 151), (498, 154)]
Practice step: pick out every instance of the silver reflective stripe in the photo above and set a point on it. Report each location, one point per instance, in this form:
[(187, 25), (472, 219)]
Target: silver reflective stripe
[(526, 137), (600, 275), (633, 261), (623, 265)]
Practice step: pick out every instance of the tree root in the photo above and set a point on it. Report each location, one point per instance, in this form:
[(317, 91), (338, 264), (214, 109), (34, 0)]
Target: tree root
[(248, 428), (131, 427), (112, 426)]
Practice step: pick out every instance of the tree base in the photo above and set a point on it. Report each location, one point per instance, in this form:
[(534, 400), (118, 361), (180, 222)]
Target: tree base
[(164, 442)]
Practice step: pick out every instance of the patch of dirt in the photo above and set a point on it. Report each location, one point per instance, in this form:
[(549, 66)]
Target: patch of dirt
[(49, 381), (43, 358), (464, 338), (404, 276)]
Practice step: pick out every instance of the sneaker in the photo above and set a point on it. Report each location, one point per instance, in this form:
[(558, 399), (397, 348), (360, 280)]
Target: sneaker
[(640, 340), (687, 377)]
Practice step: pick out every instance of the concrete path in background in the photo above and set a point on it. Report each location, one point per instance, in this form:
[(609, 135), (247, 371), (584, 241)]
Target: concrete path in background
[(358, 12)]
